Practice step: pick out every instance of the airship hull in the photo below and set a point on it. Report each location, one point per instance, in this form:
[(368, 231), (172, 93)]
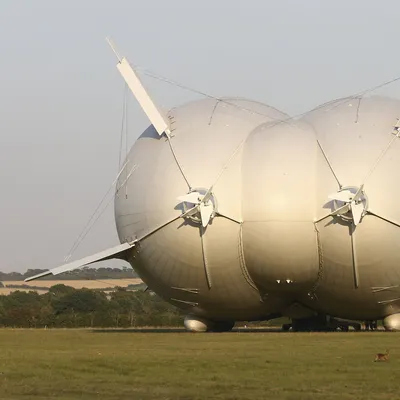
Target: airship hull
[(271, 242), (232, 210)]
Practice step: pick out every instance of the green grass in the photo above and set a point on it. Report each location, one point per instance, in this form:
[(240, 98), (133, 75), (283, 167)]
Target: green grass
[(82, 364)]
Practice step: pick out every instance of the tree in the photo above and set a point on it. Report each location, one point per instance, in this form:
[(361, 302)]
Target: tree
[(83, 301), (22, 309), (61, 290), (126, 303)]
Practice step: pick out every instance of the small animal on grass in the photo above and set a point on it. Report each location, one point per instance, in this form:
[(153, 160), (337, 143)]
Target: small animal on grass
[(382, 356)]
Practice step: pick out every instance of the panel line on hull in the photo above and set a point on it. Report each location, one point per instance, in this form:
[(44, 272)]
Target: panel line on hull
[(388, 301), (379, 289), (189, 290), (190, 303)]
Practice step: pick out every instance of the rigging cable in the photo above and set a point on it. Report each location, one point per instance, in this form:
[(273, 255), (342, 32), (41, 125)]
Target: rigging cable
[(122, 125), (123, 143), (82, 235), (336, 103), (278, 120)]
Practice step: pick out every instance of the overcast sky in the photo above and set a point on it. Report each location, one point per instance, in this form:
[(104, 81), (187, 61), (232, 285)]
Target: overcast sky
[(61, 95)]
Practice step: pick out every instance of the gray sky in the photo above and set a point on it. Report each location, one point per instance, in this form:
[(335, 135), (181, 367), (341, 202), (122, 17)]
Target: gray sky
[(61, 95)]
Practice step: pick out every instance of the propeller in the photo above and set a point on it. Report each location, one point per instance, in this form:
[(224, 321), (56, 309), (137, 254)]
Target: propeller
[(198, 206), (350, 204), (353, 203)]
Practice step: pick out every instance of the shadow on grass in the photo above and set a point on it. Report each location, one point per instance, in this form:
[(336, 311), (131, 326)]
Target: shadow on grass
[(180, 330)]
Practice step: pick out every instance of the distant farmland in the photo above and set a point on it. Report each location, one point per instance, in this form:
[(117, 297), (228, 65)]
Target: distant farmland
[(39, 285)]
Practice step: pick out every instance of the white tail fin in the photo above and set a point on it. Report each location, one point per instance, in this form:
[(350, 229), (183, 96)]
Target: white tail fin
[(114, 252), (158, 120)]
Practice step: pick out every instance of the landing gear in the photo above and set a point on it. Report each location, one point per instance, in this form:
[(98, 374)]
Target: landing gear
[(223, 326), (317, 323), (199, 324), (321, 323), (286, 327), (371, 325)]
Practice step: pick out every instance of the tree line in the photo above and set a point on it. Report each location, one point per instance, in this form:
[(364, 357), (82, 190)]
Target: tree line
[(65, 307), (79, 274)]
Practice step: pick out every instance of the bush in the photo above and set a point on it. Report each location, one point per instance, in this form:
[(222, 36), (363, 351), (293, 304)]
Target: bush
[(66, 307)]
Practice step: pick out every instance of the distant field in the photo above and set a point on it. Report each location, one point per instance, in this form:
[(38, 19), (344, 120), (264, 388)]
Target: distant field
[(6, 291), (77, 284), (84, 364)]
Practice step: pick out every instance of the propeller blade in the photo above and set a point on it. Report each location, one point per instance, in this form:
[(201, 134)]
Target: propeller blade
[(342, 210), (190, 212), (359, 193), (192, 197), (357, 211), (344, 195), (206, 211), (207, 195)]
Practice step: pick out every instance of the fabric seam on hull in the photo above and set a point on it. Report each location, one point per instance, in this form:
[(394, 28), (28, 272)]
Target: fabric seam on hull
[(312, 293), (242, 262)]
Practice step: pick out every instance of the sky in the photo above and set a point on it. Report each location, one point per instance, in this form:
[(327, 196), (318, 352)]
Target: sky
[(61, 96)]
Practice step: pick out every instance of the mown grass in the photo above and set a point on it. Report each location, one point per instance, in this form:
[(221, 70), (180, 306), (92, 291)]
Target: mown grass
[(84, 364)]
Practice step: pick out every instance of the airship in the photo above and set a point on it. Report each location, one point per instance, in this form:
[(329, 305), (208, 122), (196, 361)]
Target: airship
[(234, 211)]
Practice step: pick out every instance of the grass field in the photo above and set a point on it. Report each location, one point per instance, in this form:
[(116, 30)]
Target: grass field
[(85, 364)]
